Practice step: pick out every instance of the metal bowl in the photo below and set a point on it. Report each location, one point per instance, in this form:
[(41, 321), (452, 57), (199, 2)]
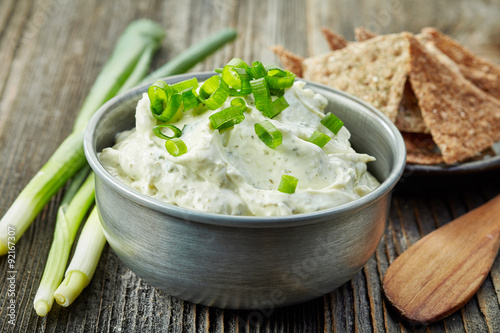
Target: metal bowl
[(246, 262)]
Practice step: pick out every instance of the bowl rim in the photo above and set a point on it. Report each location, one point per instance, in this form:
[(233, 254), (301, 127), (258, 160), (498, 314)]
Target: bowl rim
[(237, 220)]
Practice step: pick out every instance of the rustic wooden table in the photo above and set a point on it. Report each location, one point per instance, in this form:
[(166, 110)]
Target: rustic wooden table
[(52, 50)]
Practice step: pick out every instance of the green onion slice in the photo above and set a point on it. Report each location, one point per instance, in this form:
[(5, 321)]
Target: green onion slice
[(333, 123), (319, 139), (189, 99), (260, 93), (288, 184), (214, 92), (173, 105), (176, 147), (257, 70), (278, 78), (274, 108), (277, 92), (240, 102), (234, 72), (227, 118), (157, 130), (158, 94), (186, 84), (268, 134)]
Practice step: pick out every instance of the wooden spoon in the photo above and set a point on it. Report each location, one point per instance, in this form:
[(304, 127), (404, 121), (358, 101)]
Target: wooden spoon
[(443, 270)]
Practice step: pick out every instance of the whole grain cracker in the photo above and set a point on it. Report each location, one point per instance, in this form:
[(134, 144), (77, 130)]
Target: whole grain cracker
[(463, 119), (334, 40), (289, 60), (409, 118), (374, 70), (362, 34), (421, 149), (480, 71)]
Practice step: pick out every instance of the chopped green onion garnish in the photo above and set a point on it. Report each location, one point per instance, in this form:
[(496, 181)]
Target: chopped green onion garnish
[(176, 147), (157, 130), (158, 94), (214, 92), (278, 78), (268, 134), (288, 184), (240, 102), (186, 84), (333, 123), (277, 92), (189, 99), (172, 106), (257, 70), (235, 72), (274, 108), (260, 93), (227, 118), (319, 139)]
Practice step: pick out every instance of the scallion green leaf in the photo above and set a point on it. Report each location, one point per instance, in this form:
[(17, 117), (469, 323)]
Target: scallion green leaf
[(186, 84), (319, 139), (333, 123), (268, 134), (227, 118), (189, 99), (172, 106), (288, 184), (214, 92), (239, 102), (257, 70), (159, 94), (260, 93), (176, 147), (278, 78), (274, 108), (234, 72), (157, 130)]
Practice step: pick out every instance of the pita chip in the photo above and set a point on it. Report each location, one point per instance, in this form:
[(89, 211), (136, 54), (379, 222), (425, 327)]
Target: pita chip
[(334, 40), (421, 149), (409, 118), (289, 60), (463, 119), (374, 71), (362, 34), (481, 72)]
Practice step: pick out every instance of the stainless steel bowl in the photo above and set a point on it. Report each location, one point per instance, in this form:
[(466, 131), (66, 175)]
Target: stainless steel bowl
[(246, 262)]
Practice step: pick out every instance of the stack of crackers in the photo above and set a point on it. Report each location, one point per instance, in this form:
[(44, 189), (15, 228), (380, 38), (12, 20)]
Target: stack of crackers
[(444, 99)]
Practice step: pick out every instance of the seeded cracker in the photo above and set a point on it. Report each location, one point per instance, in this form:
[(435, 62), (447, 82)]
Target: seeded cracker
[(463, 119), (481, 72), (374, 70), (334, 40), (363, 34), (421, 149), (289, 60)]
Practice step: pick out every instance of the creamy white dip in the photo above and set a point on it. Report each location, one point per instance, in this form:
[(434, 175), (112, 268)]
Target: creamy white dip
[(234, 172)]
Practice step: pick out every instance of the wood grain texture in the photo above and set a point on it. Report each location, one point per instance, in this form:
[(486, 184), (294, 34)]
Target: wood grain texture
[(438, 274), (50, 54)]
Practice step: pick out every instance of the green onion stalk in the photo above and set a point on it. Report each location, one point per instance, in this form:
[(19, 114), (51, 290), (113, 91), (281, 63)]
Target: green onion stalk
[(72, 211), (128, 64), (127, 60), (84, 262)]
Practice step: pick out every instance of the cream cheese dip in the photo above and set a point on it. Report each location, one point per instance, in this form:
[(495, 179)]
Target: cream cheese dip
[(233, 172)]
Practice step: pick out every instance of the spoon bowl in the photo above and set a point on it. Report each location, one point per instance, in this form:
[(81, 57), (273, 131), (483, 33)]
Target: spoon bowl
[(438, 274)]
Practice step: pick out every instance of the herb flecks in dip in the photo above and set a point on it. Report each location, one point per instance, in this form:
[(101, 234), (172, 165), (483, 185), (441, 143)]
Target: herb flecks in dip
[(234, 170)]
